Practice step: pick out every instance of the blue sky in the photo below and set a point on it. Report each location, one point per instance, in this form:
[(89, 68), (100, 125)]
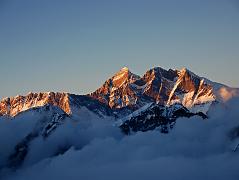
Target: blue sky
[(74, 46)]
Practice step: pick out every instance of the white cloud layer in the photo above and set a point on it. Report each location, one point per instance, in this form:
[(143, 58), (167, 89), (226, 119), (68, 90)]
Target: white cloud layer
[(196, 149)]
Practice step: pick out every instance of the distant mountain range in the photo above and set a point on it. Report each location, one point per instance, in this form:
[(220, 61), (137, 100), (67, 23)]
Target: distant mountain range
[(131, 102), (126, 92)]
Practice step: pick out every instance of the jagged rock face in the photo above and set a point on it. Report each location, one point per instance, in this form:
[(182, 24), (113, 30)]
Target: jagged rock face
[(158, 83), (67, 102), (12, 106), (127, 89), (191, 90), (117, 91), (165, 87)]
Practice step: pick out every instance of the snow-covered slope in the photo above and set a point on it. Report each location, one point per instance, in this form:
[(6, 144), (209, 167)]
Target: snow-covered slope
[(154, 116)]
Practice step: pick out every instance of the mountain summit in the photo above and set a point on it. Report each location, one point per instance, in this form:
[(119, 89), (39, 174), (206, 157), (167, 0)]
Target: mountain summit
[(116, 91)]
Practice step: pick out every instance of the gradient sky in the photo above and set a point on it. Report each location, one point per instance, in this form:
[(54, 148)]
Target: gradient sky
[(74, 46)]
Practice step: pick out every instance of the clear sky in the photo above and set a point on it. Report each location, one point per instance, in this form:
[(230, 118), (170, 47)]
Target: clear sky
[(74, 46)]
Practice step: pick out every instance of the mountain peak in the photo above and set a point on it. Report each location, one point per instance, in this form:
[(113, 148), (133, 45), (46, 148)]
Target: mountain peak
[(124, 69), (157, 68), (122, 72), (185, 70), (123, 76)]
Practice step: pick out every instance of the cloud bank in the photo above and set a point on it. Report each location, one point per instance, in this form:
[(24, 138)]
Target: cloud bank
[(195, 149)]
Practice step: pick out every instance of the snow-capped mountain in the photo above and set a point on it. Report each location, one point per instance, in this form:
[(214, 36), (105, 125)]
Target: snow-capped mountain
[(126, 101), (126, 92), (164, 87)]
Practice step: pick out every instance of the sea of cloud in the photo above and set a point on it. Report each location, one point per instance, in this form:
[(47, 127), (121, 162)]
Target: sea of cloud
[(195, 149)]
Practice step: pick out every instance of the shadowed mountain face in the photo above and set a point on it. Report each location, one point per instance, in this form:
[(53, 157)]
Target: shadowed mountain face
[(158, 117)]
